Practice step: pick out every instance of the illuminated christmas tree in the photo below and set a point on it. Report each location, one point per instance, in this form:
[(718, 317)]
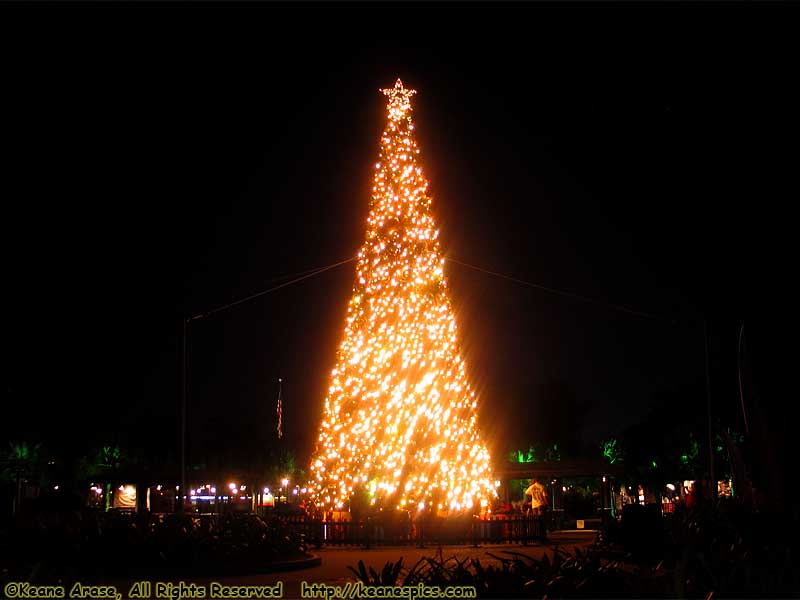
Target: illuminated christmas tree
[(400, 420)]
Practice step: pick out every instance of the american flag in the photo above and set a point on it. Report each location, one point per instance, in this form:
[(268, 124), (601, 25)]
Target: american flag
[(280, 412)]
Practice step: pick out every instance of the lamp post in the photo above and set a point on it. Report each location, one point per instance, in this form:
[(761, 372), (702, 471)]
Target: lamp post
[(183, 417), (708, 406), (184, 399)]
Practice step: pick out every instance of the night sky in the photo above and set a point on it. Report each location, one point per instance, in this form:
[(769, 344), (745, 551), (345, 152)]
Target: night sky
[(162, 160)]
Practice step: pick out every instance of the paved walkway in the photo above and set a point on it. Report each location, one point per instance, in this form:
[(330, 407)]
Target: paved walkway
[(334, 571)]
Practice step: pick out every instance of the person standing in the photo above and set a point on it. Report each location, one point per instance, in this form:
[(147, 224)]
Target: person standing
[(538, 497)]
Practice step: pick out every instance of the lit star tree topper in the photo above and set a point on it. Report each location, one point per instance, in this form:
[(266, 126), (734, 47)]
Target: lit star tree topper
[(400, 420)]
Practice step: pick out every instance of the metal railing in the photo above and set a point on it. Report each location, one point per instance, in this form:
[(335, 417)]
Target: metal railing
[(392, 529), (518, 529)]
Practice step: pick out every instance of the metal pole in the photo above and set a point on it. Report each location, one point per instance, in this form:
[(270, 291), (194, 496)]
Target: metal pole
[(183, 417), (741, 387), (708, 403), (184, 377)]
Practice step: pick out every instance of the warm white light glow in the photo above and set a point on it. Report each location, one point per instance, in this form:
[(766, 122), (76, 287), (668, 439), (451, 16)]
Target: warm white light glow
[(400, 421)]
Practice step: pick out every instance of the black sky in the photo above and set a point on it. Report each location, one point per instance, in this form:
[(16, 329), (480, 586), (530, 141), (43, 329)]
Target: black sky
[(161, 160)]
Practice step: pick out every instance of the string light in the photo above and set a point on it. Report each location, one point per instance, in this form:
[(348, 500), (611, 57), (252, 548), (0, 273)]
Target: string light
[(400, 420)]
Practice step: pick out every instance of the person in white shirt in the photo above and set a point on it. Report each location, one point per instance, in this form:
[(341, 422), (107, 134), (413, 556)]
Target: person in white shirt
[(538, 496)]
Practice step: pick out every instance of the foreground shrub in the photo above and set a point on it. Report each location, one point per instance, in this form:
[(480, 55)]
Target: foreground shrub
[(95, 545), (705, 558), (515, 575)]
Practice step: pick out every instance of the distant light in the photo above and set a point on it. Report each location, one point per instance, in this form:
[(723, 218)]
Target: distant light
[(55, 487), (671, 487), (231, 486), (294, 491), (284, 482)]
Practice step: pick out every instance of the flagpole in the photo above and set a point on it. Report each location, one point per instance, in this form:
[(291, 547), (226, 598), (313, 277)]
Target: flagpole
[(280, 409)]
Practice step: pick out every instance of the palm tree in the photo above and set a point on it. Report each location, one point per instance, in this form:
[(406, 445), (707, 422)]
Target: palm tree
[(103, 463), (21, 463)]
